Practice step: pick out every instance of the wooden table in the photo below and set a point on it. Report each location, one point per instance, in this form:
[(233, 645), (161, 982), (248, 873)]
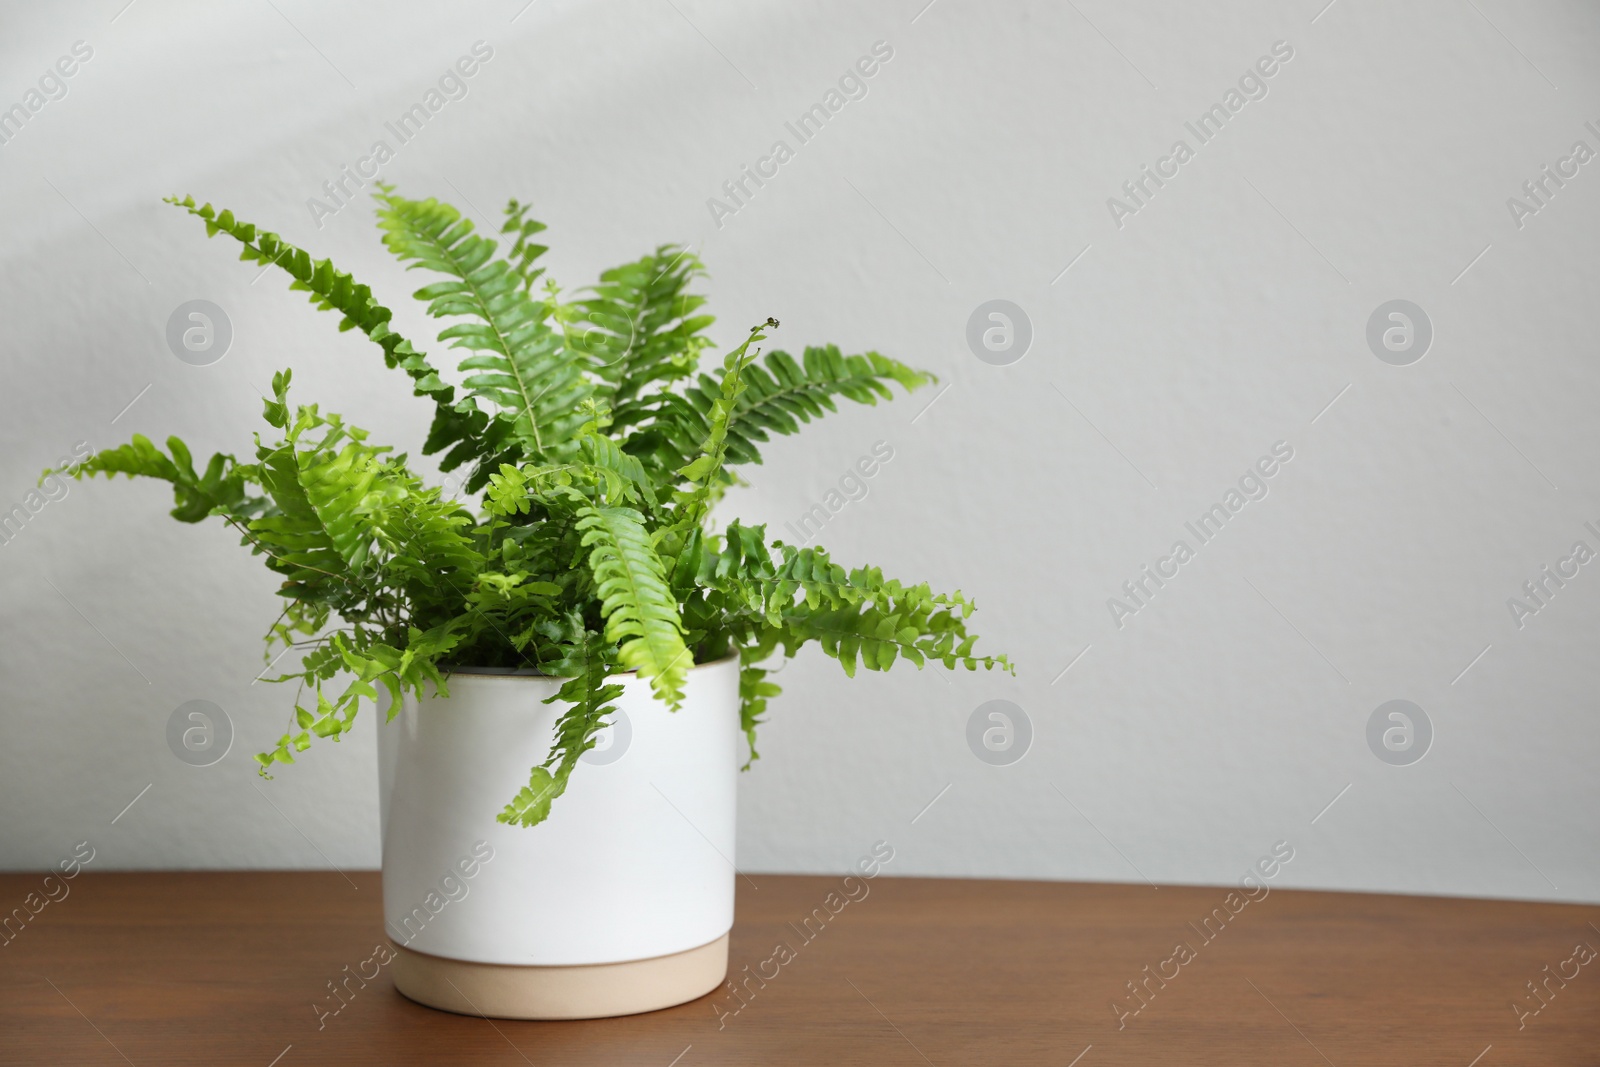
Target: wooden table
[(227, 968)]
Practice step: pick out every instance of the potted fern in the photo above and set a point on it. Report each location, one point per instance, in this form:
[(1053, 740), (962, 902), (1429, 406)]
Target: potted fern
[(579, 586)]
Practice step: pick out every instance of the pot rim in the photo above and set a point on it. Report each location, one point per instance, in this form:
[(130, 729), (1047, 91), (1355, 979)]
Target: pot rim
[(529, 674)]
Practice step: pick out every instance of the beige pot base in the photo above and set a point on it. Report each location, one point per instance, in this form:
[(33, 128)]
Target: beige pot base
[(589, 991)]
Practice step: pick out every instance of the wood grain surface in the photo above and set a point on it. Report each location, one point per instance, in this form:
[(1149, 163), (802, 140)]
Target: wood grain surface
[(235, 968)]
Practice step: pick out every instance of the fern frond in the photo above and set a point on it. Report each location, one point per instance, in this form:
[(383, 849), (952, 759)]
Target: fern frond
[(513, 490), (766, 581), (370, 663), (625, 476), (219, 490), (524, 250), (521, 364), (640, 330), (329, 493), (453, 429), (590, 699), (874, 637), (640, 611), (754, 692), (779, 395), (531, 805), (607, 475), (704, 474), (787, 595), (431, 554)]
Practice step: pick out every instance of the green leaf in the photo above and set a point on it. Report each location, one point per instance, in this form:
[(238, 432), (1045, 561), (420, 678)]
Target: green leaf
[(704, 473), (640, 330), (777, 395), (521, 364), (754, 692), (333, 289), (531, 805), (220, 490), (590, 699), (640, 611)]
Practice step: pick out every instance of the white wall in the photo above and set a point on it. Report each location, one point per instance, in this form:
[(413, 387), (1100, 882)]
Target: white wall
[(1219, 319)]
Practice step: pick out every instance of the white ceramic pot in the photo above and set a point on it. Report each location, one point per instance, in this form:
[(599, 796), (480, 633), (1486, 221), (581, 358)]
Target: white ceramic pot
[(619, 902)]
